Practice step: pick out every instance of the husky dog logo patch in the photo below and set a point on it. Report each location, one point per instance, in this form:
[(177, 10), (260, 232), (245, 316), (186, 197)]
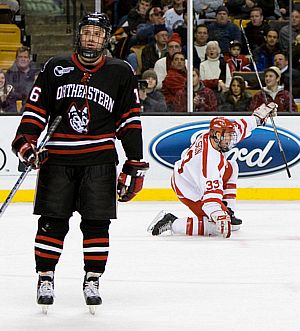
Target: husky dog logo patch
[(79, 119)]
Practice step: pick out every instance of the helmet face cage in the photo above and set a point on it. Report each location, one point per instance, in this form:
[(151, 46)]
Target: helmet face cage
[(227, 138), (96, 19)]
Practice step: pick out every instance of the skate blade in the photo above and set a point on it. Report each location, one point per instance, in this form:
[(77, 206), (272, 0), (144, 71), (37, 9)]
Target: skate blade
[(158, 217), (45, 309), (92, 309), (235, 227)]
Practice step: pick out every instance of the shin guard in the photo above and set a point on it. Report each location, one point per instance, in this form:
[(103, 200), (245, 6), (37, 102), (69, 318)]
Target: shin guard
[(194, 226), (49, 242), (95, 244)]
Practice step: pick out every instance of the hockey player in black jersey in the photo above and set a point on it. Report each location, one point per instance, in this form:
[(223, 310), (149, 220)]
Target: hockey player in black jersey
[(97, 98)]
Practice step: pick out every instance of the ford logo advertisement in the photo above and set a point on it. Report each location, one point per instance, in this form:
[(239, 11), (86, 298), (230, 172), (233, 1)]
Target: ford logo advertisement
[(2, 159), (257, 154)]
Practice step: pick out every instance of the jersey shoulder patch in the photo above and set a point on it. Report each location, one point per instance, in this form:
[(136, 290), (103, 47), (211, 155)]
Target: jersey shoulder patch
[(58, 61)]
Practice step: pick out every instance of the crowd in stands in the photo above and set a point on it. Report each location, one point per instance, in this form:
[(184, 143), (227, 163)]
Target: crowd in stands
[(151, 35), (8, 97), (226, 36), (16, 81)]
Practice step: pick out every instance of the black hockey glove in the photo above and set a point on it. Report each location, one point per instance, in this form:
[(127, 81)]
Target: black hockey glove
[(24, 146), (131, 180)]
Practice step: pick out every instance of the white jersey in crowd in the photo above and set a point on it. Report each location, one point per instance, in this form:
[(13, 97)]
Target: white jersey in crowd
[(172, 19), (198, 176)]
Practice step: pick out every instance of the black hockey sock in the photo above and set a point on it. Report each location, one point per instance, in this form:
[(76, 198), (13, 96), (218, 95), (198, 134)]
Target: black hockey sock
[(49, 242), (95, 244)]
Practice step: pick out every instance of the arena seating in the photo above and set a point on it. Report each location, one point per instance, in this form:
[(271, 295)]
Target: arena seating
[(10, 40)]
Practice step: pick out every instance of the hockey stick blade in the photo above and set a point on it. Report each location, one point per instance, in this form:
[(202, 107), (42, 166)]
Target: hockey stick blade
[(20, 180)]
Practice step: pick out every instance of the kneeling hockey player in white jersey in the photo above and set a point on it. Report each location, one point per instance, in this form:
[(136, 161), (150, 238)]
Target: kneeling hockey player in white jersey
[(206, 182)]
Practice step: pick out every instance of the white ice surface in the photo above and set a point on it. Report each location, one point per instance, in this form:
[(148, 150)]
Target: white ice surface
[(248, 282)]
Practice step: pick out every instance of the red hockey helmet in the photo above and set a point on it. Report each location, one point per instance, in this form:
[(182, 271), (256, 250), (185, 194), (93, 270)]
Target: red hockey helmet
[(222, 131)]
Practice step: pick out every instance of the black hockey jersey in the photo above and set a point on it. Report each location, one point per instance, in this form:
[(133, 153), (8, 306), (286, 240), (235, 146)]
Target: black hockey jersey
[(97, 105)]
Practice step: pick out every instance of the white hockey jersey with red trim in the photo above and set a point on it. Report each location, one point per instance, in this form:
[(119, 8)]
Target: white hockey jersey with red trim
[(198, 176)]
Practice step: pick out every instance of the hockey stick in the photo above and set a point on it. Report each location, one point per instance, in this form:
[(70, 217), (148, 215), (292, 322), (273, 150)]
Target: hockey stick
[(28, 169), (266, 100)]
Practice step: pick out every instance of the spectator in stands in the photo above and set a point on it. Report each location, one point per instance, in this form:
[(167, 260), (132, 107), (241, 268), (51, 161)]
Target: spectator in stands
[(274, 9), (207, 8), (240, 9), (137, 15), (236, 98), (296, 53), (122, 9), (174, 15), (204, 99), (175, 80), (152, 100), (274, 93), (213, 70), (119, 42), (162, 65), (235, 61), (181, 28), (281, 61), (268, 7), (22, 74), (255, 30), (144, 35), (166, 4), (156, 50), (223, 31), (145, 31), (200, 44), (282, 9), (8, 97), (284, 34), (123, 35), (264, 54)]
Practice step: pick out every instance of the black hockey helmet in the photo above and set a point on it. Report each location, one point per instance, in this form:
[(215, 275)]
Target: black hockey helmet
[(97, 19)]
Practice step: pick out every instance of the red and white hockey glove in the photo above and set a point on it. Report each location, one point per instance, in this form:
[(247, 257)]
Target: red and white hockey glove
[(264, 111), (222, 221), (131, 179), (24, 146)]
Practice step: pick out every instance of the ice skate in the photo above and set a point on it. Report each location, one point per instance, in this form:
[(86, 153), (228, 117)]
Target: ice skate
[(45, 290), (235, 222), (90, 291), (161, 223)]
